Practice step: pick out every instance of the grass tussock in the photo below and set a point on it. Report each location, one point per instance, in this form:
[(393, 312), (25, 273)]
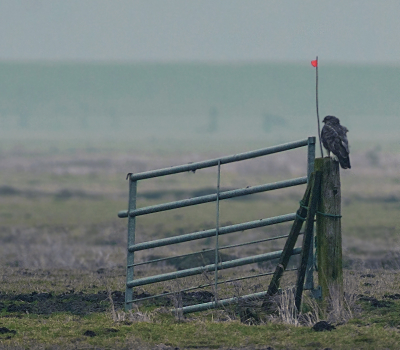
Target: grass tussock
[(336, 309)]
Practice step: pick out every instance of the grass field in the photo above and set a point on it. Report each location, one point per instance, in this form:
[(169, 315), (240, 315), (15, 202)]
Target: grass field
[(69, 134), (63, 248)]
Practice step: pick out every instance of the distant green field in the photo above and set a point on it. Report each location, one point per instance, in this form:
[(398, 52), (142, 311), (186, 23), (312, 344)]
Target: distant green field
[(118, 102)]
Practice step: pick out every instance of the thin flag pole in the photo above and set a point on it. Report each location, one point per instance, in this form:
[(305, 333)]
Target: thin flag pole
[(315, 64)]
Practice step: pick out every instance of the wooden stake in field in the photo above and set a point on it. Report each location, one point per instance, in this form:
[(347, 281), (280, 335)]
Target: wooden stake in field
[(328, 233)]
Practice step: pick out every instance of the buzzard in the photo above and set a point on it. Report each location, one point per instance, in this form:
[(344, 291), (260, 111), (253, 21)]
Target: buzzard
[(334, 139)]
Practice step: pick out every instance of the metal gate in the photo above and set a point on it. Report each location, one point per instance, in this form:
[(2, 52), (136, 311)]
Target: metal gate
[(134, 212)]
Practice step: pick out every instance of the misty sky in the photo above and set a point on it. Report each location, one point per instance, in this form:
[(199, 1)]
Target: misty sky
[(363, 31)]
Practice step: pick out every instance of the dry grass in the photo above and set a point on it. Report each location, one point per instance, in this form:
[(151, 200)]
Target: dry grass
[(131, 316)]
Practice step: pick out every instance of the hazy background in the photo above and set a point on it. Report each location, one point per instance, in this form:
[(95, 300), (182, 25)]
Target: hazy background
[(195, 69), (91, 90)]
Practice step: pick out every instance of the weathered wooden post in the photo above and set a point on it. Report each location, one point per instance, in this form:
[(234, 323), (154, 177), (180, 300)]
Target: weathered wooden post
[(328, 231)]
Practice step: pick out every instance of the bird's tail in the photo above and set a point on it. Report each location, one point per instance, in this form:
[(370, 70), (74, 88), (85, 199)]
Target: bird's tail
[(345, 162)]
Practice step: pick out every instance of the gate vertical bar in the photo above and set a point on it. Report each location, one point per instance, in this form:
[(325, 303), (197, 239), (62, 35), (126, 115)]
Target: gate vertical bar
[(131, 241), (309, 284), (216, 235)]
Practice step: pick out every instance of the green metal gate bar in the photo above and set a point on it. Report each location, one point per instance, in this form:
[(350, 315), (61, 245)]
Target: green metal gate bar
[(134, 212), (207, 268), (213, 197), (213, 304), (210, 250), (224, 160), (211, 232), (207, 285)]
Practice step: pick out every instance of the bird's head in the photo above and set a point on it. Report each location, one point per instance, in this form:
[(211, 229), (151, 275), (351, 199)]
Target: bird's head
[(331, 120)]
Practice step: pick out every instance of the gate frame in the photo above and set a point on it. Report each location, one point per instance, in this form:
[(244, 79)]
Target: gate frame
[(132, 212)]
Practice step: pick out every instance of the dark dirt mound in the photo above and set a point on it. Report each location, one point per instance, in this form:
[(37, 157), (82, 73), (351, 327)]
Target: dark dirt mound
[(4, 330), (375, 302), (6, 333), (47, 303), (81, 303), (392, 296), (89, 333), (323, 326)]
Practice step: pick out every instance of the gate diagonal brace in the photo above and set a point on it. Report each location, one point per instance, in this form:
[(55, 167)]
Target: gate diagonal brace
[(307, 237), (290, 243)]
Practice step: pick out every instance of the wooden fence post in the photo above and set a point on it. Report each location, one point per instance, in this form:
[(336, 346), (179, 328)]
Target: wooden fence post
[(328, 232)]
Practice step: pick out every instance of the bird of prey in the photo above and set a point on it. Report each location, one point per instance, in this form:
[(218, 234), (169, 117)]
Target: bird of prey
[(334, 139)]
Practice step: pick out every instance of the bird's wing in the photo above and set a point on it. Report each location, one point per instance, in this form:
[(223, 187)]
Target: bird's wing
[(335, 140), (329, 136), (345, 145), (326, 137)]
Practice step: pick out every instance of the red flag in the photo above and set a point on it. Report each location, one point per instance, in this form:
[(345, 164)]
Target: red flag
[(314, 63)]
